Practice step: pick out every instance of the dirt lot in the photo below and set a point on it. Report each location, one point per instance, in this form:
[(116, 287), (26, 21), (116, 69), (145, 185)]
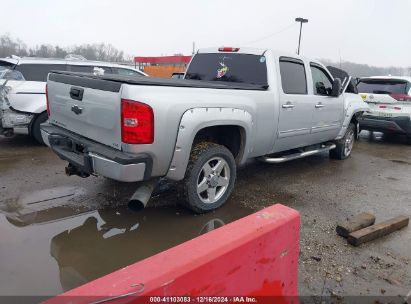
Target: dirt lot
[(57, 232)]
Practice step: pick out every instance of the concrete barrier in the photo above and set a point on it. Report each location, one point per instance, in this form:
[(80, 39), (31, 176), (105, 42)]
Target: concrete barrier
[(254, 259)]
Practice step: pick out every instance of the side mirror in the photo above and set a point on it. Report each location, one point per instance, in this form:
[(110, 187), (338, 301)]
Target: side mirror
[(336, 90)]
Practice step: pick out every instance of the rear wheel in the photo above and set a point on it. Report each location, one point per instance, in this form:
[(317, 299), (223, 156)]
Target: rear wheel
[(35, 129), (210, 177), (344, 145)]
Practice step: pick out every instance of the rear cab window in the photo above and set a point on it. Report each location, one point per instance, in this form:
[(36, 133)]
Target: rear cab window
[(228, 67), (293, 76), (383, 86), (37, 71)]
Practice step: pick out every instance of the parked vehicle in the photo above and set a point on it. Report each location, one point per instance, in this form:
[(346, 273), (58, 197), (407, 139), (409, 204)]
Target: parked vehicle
[(23, 106), (234, 104), (389, 98), (178, 75)]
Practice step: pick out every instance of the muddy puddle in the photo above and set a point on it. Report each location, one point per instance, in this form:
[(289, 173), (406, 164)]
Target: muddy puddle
[(57, 239)]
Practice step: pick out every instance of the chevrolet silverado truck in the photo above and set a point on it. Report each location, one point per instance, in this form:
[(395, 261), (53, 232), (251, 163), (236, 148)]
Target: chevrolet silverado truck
[(234, 104)]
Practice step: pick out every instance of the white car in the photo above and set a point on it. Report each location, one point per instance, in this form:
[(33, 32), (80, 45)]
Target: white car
[(389, 98), (23, 92)]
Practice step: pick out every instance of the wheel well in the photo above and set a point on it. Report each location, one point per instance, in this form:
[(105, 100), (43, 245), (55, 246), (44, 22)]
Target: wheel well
[(35, 117), (354, 120), (230, 136)]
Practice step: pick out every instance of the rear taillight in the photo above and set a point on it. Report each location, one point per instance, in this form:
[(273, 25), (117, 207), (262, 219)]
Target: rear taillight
[(385, 107), (401, 97), (47, 101), (228, 49), (137, 122)]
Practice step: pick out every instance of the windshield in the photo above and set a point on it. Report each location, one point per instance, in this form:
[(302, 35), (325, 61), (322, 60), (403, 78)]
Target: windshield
[(5, 65), (383, 86), (239, 68)]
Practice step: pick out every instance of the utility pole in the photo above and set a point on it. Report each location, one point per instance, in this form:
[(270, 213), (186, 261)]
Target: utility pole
[(301, 20), (194, 47)]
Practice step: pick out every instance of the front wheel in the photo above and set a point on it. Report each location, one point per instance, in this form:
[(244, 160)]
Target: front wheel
[(210, 177), (344, 145)]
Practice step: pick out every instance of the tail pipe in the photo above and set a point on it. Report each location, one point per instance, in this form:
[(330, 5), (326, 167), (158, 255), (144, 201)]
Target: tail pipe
[(140, 198)]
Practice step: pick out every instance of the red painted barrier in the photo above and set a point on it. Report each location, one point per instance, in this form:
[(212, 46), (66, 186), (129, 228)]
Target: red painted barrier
[(256, 256)]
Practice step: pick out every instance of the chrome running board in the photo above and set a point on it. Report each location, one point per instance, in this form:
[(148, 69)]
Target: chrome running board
[(285, 158)]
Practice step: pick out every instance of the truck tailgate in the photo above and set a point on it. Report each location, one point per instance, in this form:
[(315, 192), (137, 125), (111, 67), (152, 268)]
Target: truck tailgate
[(85, 106)]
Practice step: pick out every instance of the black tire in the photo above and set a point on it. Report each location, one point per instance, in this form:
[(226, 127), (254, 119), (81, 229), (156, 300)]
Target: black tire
[(340, 152), (202, 153), (35, 128)]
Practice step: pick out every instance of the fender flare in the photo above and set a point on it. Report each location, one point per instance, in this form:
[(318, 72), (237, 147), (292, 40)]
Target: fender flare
[(347, 120), (354, 106), (196, 119)]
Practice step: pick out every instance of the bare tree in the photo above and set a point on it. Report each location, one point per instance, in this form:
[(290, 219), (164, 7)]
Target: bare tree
[(365, 70), (9, 47), (97, 51)]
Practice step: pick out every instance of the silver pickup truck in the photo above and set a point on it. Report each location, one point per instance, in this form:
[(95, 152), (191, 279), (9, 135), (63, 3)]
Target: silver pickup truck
[(234, 104)]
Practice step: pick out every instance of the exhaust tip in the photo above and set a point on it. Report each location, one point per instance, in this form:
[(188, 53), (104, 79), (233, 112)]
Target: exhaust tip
[(142, 195), (136, 205)]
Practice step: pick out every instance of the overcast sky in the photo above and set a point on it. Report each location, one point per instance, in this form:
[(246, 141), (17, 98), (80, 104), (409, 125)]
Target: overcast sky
[(376, 32)]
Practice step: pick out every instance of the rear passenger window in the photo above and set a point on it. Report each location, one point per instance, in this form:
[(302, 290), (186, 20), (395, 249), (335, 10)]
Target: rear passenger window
[(39, 72), (127, 72), (82, 68), (321, 81), (107, 70), (293, 77), (89, 69)]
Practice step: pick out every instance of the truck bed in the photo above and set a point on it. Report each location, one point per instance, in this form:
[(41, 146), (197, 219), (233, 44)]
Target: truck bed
[(113, 82)]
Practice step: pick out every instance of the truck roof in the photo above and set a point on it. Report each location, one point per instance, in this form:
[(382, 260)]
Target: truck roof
[(242, 50), (256, 51)]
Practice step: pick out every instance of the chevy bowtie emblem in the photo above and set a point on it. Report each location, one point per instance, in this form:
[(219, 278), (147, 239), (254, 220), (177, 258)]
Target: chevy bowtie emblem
[(76, 109)]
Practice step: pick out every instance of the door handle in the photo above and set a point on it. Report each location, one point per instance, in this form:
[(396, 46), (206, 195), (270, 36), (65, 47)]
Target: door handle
[(319, 106), (76, 93), (287, 106)]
